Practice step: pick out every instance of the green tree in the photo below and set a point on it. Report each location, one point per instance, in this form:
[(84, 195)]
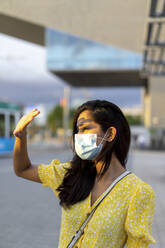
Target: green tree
[(55, 118), (134, 120), (71, 115)]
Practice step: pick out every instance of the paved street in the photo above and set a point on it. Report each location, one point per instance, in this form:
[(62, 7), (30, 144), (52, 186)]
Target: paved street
[(30, 214)]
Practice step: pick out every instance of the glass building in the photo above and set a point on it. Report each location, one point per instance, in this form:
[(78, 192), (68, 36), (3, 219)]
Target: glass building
[(68, 52)]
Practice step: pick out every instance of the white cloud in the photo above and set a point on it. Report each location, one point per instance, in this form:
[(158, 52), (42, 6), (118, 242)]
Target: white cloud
[(22, 61)]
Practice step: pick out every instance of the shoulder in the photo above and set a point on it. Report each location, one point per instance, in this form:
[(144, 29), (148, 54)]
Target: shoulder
[(131, 182), (145, 191), (142, 191), (143, 186), (138, 187)]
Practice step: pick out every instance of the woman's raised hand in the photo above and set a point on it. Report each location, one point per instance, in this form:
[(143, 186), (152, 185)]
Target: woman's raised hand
[(23, 122)]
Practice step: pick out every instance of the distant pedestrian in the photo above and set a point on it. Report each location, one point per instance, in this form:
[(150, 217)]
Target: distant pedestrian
[(101, 141)]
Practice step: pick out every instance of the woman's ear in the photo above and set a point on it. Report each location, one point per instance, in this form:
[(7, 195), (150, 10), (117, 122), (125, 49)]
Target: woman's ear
[(111, 134)]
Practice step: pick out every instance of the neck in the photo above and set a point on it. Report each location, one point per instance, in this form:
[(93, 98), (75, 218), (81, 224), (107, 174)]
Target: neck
[(114, 170)]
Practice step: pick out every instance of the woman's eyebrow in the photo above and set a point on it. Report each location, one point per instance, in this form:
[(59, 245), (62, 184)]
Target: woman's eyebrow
[(82, 121)]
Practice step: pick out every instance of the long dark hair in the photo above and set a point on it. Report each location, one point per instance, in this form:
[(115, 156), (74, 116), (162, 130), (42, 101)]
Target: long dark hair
[(79, 178)]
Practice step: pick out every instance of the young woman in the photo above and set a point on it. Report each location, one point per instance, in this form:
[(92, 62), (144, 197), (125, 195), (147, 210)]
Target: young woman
[(101, 140)]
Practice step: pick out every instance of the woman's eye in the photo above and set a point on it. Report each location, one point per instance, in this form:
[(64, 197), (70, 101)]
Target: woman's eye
[(82, 129)]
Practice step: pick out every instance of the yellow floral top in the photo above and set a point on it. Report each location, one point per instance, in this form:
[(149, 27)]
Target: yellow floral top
[(123, 219)]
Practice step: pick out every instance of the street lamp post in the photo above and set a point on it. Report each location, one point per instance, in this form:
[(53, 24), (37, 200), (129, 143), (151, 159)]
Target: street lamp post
[(66, 107)]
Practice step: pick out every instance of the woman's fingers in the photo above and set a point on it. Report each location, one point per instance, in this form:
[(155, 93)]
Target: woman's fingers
[(24, 121), (36, 112), (34, 109), (31, 116)]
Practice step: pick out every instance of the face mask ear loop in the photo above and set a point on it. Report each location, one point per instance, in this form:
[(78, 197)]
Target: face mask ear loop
[(103, 138)]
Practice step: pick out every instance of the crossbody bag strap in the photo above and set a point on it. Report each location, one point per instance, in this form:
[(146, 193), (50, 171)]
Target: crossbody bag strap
[(79, 232)]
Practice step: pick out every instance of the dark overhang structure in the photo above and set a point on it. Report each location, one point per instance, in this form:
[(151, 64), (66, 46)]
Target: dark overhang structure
[(22, 29), (84, 63), (103, 78), (154, 52)]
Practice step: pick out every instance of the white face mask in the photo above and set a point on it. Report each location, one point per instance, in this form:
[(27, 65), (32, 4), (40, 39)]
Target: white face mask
[(86, 146)]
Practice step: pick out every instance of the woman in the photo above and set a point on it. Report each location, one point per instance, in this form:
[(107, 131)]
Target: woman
[(101, 138)]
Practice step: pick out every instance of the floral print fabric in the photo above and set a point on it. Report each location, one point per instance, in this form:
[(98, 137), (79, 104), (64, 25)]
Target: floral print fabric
[(123, 219)]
